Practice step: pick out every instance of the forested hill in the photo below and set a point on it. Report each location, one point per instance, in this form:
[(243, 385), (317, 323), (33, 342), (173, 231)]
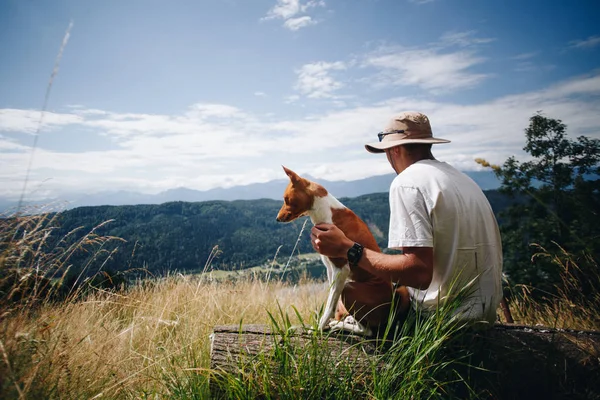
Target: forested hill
[(180, 235)]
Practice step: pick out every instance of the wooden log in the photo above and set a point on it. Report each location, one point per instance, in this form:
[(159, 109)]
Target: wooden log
[(539, 362), (231, 343), (517, 361)]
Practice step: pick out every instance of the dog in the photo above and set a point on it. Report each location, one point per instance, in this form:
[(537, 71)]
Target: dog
[(304, 197)]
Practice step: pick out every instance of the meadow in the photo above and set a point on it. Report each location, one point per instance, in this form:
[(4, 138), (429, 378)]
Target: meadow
[(151, 339)]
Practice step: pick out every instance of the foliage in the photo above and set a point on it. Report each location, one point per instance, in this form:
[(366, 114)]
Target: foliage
[(179, 236), (558, 201)]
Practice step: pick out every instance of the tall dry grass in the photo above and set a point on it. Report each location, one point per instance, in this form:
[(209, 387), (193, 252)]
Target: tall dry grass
[(575, 303), (56, 342), (81, 341), (34, 262), (145, 341)]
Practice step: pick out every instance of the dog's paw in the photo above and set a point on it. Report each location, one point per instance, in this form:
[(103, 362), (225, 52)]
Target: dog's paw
[(333, 323), (351, 325)]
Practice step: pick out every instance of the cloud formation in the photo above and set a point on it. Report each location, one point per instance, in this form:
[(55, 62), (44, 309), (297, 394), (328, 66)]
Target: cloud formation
[(588, 43), (446, 65), (434, 70), (210, 145), (315, 80), (294, 13)]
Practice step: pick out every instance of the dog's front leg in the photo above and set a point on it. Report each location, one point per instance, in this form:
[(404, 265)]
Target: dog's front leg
[(336, 286)]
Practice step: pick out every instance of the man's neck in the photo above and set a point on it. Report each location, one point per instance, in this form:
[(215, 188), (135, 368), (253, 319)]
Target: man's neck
[(406, 160)]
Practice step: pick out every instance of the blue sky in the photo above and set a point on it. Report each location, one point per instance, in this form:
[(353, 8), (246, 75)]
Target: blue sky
[(152, 95)]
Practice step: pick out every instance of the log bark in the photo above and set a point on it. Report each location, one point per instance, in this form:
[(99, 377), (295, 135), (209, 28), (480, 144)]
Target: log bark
[(517, 361), (230, 344)]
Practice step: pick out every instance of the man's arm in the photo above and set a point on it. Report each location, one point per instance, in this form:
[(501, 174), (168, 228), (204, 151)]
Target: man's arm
[(413, 268)]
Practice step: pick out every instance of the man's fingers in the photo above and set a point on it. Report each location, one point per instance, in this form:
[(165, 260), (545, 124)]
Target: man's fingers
[(321, 227)]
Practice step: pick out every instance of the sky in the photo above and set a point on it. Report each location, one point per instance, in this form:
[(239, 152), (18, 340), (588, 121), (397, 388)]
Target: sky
[(152, 95)]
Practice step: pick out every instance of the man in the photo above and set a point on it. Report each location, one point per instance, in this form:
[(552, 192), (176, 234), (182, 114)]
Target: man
[(439, 218)]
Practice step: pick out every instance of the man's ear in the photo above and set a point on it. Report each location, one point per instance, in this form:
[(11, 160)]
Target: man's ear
[(294, 177)]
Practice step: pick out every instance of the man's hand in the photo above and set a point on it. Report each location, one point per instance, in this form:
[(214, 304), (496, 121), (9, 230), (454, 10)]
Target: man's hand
[(330, 241)]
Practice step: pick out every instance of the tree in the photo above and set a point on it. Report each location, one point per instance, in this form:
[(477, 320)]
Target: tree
[(557, 203)]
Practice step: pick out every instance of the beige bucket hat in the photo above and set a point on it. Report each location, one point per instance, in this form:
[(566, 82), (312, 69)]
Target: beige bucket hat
[(407, 127)]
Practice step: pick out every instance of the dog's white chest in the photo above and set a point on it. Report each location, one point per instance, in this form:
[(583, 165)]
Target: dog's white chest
[(322, 209)]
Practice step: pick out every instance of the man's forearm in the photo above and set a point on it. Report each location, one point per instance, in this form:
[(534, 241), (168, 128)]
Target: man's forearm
[(408, 269), (413, 268)]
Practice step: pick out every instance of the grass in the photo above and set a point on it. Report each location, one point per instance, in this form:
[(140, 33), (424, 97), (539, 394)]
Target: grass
[(35, 265), (294, 368), (572, 306), (152, 340), (409, 361)]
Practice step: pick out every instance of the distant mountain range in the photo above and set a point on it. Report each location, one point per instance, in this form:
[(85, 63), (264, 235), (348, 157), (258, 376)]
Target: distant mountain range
[(269, 190)]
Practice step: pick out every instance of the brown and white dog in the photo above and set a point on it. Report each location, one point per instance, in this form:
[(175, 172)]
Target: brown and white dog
[(304, 197)]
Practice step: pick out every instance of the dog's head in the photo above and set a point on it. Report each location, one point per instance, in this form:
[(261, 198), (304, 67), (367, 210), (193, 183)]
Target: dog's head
[(298, 197)]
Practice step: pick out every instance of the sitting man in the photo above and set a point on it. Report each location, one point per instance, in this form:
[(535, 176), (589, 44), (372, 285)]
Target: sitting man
[(439, 219)]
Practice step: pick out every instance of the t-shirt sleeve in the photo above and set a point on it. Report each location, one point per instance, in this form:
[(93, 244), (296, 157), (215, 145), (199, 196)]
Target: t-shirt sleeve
[(410, 221)]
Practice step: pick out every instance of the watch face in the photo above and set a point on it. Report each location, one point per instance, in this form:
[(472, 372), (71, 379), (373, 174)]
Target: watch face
[(354, 253)]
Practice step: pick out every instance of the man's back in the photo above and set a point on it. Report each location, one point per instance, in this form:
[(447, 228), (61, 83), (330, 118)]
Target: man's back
[(434, 205)]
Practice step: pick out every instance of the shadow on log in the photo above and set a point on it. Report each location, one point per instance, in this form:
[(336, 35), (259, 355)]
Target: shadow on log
[(537, 362), (506, 361)]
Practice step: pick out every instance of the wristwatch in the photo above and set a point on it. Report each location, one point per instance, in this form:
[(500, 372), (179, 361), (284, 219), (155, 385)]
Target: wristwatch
[(355, 253)]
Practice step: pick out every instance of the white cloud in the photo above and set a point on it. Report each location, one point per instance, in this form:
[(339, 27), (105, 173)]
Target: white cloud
[(7, 144), (315, 80), (294, 24), (530, 66), (28, 121), (260, 94), (526, 56), (291, 99), (437, 67), (284, 9), (525, 62), (204, 111), (463, 39), (291, 12), (210, 145), (588, 43), (431, 69)]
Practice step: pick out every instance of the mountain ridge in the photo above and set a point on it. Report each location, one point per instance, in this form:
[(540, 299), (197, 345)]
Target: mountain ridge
[(269, 190)]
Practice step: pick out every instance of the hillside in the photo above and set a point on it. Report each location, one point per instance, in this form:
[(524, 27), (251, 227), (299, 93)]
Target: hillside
[(180, 235)]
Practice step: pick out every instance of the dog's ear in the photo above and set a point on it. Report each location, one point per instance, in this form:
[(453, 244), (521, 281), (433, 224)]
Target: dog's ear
[(294, 177)]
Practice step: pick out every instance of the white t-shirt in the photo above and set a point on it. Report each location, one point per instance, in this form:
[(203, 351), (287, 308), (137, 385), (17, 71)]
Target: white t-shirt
[(432, 204)]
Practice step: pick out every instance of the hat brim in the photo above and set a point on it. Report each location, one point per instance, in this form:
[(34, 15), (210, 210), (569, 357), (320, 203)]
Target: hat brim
[(380, 147)]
